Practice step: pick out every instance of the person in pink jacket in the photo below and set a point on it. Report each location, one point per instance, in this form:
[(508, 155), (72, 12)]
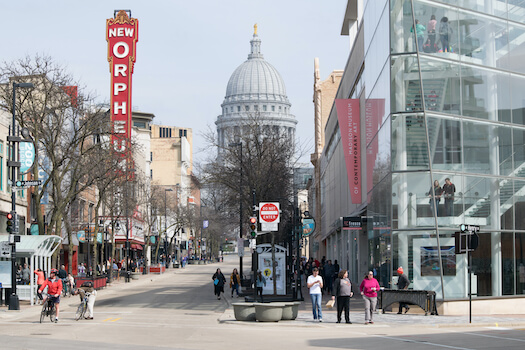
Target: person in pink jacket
[(369, 288), (39, 282)]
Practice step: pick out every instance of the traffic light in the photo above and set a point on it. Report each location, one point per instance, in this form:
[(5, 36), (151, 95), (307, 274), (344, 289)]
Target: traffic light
[(253, 227), (10, 222)]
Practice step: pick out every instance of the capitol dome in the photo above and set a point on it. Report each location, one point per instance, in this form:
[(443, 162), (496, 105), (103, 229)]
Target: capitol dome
[(255, 79), (255, 90)]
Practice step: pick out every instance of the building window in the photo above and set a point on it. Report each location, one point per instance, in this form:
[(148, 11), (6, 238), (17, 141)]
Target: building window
[(247, 108), (273, 108), (90, 212), (231, 109), (165, 132), (256, 107), (280, 108), (151, 156), (140, 125), (151, 173), (238, 108), (264, 108)]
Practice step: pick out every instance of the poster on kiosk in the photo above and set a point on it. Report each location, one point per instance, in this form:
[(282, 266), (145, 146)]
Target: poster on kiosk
[(265, 265)]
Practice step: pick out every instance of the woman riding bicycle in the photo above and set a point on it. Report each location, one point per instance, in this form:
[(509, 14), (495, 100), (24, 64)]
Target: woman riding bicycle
[(54, 289)]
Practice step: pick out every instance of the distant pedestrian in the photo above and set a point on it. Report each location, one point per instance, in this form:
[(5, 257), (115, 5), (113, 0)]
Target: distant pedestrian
[(402, 284), (369, 288), (235, 282), (26, 274), (218, 282), (82, 270), (448, 192), (315, 284), (260, 282), (342, 290)]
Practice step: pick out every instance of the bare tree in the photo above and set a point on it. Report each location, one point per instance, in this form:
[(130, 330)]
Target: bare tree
[(63, 120), (267, 161)]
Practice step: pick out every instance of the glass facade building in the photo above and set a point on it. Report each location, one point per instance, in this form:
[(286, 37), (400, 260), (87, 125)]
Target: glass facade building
[(441, 92)]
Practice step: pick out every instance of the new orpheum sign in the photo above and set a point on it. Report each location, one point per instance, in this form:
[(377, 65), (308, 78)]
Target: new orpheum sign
[(122, 36)]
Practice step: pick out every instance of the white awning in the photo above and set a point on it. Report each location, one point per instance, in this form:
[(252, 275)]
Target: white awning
[(29, 245)]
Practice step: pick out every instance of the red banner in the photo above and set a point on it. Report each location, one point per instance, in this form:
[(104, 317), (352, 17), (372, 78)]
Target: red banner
[(374, 113), (349, 125), (122, 37)]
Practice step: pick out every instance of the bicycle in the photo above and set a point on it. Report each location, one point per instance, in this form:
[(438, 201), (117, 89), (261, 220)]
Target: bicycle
[(66, 287), (81, 309), (48, 309)]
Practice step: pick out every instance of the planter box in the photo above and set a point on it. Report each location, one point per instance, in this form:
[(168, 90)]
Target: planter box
[(135, 275), (290, 310), (269, 312), (244, 311)]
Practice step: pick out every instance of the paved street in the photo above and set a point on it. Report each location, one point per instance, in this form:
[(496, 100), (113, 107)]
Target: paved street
[(178, 310)]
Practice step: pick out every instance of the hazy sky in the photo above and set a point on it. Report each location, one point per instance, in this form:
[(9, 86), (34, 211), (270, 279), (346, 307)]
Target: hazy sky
[(187, 50)]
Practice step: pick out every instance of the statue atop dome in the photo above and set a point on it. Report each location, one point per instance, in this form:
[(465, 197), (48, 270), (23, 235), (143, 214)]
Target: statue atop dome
[(255, 29)]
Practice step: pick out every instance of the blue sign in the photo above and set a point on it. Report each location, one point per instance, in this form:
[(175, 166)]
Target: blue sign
[(308, 227), (205, 224)]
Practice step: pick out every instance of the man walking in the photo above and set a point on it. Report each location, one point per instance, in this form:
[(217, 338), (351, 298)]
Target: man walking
[(315, 284), (402, 284)]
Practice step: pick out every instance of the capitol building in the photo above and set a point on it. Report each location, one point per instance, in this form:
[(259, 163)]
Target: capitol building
[(255, 95)]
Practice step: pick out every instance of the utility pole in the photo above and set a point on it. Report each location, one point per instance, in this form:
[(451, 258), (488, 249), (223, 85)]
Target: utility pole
[(14, 164)]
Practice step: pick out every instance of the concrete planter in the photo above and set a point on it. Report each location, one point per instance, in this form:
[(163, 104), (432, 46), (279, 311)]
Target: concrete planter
[(135, 275), (244, 311), (295, 309), (269, 312), (288, 311)]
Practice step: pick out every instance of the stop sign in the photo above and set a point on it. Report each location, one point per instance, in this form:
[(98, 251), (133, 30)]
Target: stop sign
[(269, 212)]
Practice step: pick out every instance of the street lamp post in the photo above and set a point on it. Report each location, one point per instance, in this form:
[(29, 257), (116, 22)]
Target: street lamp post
[(166, 190), (241, 253), (14, 140)]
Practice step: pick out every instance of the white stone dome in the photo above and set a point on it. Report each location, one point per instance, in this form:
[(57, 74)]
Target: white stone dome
[(255, 80)]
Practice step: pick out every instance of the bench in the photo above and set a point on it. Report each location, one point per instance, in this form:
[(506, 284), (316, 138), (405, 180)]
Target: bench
[(425, 299)]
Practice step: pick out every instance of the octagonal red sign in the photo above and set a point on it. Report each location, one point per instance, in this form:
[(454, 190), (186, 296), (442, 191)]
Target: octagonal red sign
[(269, 212)]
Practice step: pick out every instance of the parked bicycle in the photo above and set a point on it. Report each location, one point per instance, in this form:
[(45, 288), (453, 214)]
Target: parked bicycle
[(48, 309), (81, 310)]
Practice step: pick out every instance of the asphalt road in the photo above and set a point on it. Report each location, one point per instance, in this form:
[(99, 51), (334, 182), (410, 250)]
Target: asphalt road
[(178, 310)]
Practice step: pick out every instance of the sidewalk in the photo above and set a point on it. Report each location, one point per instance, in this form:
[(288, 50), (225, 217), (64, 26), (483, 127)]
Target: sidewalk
[(414, 317)]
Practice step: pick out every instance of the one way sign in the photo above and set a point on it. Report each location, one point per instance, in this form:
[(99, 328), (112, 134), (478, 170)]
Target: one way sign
[(5, 250)]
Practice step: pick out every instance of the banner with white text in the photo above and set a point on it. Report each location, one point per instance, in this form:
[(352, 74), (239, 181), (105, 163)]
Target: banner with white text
[(349, 125)]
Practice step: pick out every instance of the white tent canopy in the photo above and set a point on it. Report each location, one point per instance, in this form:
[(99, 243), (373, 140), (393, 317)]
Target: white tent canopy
[(39, 250)]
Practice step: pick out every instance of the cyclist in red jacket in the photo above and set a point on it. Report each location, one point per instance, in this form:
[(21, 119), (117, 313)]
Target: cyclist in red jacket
[(54, 289)]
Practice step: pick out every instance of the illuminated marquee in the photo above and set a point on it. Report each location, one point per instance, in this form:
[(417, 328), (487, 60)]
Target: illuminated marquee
[(122, 37)]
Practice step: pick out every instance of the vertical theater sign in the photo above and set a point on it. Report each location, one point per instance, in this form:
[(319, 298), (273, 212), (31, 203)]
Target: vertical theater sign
[(122, 37)]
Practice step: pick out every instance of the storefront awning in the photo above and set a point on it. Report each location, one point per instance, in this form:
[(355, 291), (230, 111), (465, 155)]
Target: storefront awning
[(136, 246)]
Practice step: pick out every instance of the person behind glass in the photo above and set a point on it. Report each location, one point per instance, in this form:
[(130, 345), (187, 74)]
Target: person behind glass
[(420, 34), (444, 32), (235, 281), (315, 284), (218, 282), (435, 197), (260, 282), (431, 30), (368, 289), (343, 291), (448, 192), (402, 284)]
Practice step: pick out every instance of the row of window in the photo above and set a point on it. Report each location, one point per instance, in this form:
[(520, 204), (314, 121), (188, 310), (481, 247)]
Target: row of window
[(255, 108)]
